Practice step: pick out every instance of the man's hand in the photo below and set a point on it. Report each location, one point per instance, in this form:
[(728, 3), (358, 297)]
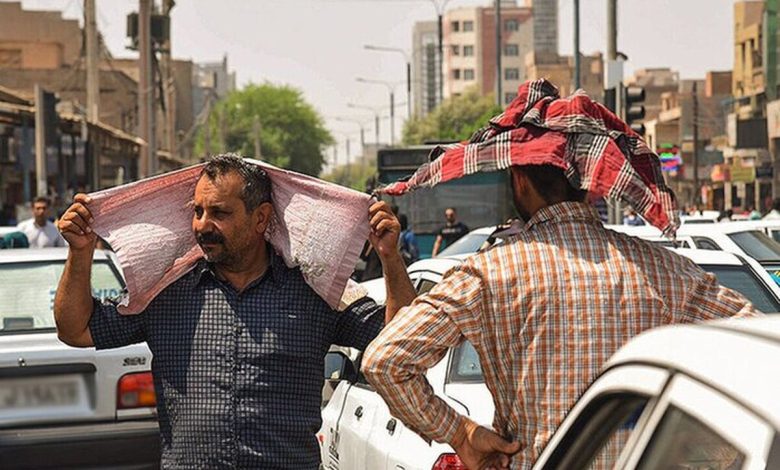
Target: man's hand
[(385, 230), (75, 224), (481, 449)]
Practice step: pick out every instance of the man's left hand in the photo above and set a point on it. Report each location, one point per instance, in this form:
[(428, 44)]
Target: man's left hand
[(385, 229)]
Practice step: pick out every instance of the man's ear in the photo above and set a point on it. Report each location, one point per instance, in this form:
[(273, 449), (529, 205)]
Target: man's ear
[(263, 214)]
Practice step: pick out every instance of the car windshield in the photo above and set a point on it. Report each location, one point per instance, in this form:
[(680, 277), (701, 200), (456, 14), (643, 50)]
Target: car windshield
[(465, 365), (757, 245), (743, 280), (27, 292), (467, 244)]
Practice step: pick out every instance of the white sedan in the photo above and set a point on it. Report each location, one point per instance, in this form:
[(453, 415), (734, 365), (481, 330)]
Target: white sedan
[(358, 431), (64, 407)]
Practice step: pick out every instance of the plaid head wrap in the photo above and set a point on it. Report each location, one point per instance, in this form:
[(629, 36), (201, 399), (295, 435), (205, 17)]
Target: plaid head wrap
[(598, 152)]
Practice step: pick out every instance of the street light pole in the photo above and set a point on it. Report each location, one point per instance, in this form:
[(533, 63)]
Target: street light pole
[(391, 88), (408, 60), (439, 5)]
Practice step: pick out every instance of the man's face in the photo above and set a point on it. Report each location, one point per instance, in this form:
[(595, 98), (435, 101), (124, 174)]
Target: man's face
[(39, 212), (224, 230), (449, 214)]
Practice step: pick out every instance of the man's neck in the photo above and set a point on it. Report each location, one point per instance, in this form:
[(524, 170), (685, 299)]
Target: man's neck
[(248, 271), (40, 224)]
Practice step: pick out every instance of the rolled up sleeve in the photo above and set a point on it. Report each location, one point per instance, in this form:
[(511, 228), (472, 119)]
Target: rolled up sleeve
[(418, 337)]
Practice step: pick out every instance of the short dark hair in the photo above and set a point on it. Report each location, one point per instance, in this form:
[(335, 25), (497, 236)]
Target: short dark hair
[(551, 183), (257, 184), (42, 199), (451, 209)]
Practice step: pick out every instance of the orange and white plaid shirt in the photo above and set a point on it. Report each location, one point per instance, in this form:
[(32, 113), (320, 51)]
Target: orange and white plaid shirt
[(544, 311)]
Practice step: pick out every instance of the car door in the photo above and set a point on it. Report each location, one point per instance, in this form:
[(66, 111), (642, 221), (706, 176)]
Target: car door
[(697, 426), (606, 420)]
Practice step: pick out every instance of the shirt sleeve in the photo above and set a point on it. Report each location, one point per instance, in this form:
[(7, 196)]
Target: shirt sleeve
[(359, 324), (110, 329), (418, 338), (707, 300)]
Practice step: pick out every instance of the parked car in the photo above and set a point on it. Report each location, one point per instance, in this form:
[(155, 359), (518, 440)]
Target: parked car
[(65, 407), (358, 431), (684, 396)]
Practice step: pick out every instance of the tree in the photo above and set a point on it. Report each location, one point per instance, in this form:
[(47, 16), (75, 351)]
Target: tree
[(292, 133), (355, 175), (455, 119)]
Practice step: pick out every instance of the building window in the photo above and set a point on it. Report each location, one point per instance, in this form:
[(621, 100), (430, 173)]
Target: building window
[(468, 74), (455, 26), (455, 49), (510, 25), (456, 74), (468, 51), (512, 74), (511, 50), (509, 97), (468, 26)]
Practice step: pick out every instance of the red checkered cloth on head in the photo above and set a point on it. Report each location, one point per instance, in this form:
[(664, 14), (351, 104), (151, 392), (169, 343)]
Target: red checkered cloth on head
[(598, 151)]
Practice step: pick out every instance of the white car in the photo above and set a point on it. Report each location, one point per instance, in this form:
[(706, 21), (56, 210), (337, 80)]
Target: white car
[(685, 397), (358, 431), (65, 407)]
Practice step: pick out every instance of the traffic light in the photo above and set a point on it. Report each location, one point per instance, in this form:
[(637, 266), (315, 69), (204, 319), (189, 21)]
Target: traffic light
[(633, 96)]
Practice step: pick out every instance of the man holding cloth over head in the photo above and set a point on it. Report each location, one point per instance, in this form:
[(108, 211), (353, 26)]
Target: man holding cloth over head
[(547, 308)]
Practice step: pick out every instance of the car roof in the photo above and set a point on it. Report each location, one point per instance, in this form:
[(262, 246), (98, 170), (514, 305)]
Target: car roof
[(736, 356), (483, 230), (18, 255), (718, 228), (706, 257), (438, 265)]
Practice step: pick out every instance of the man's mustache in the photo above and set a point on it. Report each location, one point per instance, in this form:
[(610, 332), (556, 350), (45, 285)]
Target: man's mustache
[(209, 238)]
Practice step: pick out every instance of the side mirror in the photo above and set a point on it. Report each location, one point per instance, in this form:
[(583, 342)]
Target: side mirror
[(339, 367)]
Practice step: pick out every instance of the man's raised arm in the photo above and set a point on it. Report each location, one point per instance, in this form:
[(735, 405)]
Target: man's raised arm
[(73, 302)]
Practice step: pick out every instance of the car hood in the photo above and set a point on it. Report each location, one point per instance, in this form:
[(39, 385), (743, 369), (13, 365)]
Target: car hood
[(476, 398)]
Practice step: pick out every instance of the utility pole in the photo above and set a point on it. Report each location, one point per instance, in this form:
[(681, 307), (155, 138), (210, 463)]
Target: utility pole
[(222, 130), (146, 108), (169, 84), (92, 61), (613, 82), (499, 91), (256, 131), (349, 163), (392, 117), (696, 192), (408, 89), (441, 56), (40, 143), (577, 79)]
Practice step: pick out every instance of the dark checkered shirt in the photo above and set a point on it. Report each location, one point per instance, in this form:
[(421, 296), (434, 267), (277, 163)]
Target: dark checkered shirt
[(239, 376)]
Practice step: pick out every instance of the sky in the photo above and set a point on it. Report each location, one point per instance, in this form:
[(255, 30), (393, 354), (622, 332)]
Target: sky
[(317, 46)]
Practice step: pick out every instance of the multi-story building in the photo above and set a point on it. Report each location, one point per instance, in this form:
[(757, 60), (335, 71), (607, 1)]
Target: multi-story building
[(545, 25), (748, 77), (211, 78), (470, 56), (425, 67), (560, 71), (37, 39)]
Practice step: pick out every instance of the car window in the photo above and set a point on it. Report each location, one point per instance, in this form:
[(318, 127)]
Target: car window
[(704, 243), (775, 235), (465, 366), (757, 245), (425, 286), (743, 280), (597, 437), (682, 441), (467, 244), (27, 292)]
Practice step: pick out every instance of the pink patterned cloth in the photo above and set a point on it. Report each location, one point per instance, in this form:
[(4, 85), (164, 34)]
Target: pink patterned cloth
[(319, 227)]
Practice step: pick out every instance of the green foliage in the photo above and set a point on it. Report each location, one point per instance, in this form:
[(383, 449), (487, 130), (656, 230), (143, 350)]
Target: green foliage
[(456, 119), (292, 133), (356, 175)]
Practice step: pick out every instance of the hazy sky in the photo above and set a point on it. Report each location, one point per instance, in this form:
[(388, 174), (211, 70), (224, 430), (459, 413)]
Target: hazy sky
[(317, 45)]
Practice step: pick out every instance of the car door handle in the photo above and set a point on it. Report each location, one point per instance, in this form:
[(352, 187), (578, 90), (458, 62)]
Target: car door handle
[(391, 426), (359, 412)]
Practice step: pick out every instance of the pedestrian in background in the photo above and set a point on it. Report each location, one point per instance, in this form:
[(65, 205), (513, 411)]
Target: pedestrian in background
[(408, 247), (450, 233), (40, 231)]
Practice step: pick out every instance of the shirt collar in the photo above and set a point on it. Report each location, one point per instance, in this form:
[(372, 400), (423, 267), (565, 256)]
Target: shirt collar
[(277, 272), (564, 212)]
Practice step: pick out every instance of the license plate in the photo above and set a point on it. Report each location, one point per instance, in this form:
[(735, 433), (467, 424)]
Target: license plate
[(43, 392)]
